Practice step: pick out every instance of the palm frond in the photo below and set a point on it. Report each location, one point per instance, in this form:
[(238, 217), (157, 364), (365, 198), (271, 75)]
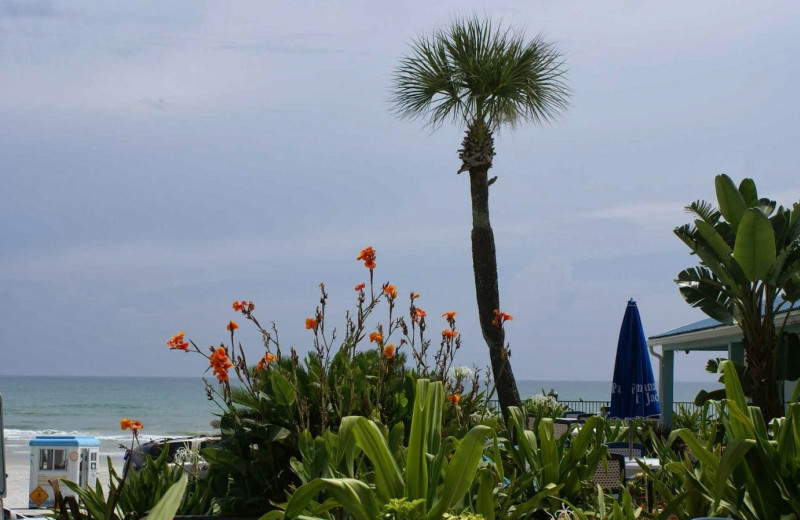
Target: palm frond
[(476, 70), (705, 211)]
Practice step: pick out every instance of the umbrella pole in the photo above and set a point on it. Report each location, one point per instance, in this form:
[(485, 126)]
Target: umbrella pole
[(630, 440)]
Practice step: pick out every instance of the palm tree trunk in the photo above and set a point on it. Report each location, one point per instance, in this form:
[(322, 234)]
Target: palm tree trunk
[(484, 264), (760, 358)]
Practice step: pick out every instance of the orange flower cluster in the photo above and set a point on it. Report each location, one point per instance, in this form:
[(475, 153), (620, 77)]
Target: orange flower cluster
[(500, 318), (391, 291), (449, 333), (454, 399), (388, 351), (243, 306), (368, 256), (419, 313), (266, 360), (376, 337), (220, 362), (127, 424), (311, 323), (177, 343), (360, 287), (232, 325)]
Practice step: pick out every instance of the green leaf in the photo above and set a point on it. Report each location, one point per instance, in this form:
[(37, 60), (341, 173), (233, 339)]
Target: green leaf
[(354, 496), (484, 502), (755, 245), (714, 239), (388, 480), (282, 389), (749, 192), (733, 455), (166, 508), (416, 455), (461, 471), (731, 203)]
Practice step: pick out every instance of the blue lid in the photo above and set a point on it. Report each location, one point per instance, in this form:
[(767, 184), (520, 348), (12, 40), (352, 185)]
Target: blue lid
[(64, 440)]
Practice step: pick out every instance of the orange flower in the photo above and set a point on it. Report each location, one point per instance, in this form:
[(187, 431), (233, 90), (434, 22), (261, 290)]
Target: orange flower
[(232, 325), (360, 287), (388, 351), (127, 424), (368, 256), (414, 296), (376, 337), (311, 323), (420, 313), (266, 360), (454, 399), (220, 362), (391, 291), (500, 318), (238, 306), (177, 342), (449, 315), (449, 333)]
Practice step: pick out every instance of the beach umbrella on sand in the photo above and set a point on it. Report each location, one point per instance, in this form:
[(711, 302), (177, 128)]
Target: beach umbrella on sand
[(633, 388)]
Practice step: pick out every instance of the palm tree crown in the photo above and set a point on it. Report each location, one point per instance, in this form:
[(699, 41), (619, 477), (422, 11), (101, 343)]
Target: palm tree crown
[(476, 72)]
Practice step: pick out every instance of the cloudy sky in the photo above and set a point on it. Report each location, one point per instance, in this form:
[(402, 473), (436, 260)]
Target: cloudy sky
[(160, 160)]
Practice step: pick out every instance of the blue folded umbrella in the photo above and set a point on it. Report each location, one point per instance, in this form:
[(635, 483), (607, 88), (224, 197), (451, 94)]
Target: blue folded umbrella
[(633, 388)]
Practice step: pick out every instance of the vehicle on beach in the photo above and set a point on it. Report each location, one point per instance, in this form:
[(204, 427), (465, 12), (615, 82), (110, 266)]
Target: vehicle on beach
[(182, 451)]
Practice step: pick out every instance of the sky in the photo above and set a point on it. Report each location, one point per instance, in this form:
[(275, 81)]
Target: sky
[(160, 160)]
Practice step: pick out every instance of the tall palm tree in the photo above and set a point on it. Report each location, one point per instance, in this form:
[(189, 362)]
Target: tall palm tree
[(484, 76)]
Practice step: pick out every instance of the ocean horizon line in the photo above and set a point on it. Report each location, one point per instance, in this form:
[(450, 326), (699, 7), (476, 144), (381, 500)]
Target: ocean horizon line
[(128, 376)]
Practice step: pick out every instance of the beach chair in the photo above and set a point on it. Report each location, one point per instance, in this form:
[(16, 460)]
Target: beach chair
[(611, 474), (623, 448), (561, 427)]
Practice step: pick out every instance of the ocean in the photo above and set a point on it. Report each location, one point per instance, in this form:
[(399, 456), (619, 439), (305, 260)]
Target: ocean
[(168, 407)]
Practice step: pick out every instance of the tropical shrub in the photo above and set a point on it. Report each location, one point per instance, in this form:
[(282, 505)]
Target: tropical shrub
[(425, 480), (749, 251), (755, 474), (268, 406)]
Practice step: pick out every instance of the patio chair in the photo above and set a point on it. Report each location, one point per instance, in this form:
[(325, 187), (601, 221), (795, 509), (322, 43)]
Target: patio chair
[(623, 448), (561, 427), (611, 474)]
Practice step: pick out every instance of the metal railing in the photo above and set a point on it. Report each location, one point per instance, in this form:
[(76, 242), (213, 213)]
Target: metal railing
[(596, 407)]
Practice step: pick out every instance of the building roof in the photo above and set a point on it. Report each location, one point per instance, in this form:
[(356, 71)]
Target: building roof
[(64, 440), (710, 323)]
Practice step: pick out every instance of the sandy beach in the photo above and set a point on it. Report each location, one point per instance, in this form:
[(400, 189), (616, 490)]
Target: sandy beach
[(18, 471)]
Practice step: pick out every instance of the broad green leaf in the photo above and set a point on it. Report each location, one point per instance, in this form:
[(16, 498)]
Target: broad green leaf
[(416, 455), (731, 203), (714, 239), (733, 388), (755, 245), (354, 496), (733, 455), (282, 389), (461, 471), (484, 502), (535, 502), (388, 480), (749, 192), (435, 406), (548, 451), (166, 508)]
